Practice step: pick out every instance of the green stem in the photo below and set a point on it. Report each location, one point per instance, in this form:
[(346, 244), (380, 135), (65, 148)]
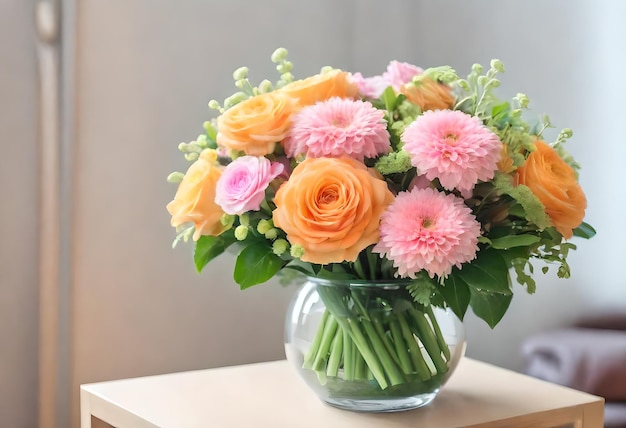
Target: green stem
[(389, 366), (439, 335), (327, 338), (401, 347), (336, 353), (348, 356), (421, 368), (366, 352), (427, 337), (378, 325), (359, 366), (315, 346)]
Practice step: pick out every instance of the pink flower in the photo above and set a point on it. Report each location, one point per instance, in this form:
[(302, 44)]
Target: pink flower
[(397, 75), (454, 147), (338, 127), (430, 230), (241, 187)]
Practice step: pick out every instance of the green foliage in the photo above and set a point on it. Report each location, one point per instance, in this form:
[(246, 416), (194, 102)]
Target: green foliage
[(256, 264), (488, 306), (456, 294), (209, 247)]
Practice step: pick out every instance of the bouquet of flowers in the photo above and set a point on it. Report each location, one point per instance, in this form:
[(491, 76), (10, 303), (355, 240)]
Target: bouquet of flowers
[(415, 175)]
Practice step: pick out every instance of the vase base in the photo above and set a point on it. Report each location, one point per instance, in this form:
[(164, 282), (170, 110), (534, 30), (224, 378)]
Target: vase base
[(382, 406)]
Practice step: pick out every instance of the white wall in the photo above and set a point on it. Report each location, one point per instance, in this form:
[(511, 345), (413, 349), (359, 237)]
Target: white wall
[(18, 216)]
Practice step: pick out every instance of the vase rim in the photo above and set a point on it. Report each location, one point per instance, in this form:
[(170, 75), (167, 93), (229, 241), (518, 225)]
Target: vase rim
[(382, 283)]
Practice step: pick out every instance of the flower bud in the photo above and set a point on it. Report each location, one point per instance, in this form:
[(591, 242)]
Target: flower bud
[(296, 251), (271, 234), (244, 219), (241, 73), (236, 98), (463, 84), (175, 177), (482, 80), (522, 99), (264, 226), (192, 156), (284, 67), (227, 220), (280, 246), (279, 55), (477, 68), (265, 86), (214, 105), (182, 147), (241, 232), (497, 65)]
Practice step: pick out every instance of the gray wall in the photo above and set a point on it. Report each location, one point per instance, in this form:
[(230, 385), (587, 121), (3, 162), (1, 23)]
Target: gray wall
[(18, 216), (143, 71)]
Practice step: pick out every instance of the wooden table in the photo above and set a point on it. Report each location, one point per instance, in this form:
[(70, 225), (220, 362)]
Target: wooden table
[(272, 395)]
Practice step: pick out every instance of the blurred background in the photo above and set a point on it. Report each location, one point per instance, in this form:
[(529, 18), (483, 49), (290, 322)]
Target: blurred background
[(95, 97)]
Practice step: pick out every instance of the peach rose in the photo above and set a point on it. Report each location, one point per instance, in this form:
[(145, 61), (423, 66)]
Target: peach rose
[(554, 183), (429, 95), (255, 125), (320, 87), (332, 208), (195, 198)]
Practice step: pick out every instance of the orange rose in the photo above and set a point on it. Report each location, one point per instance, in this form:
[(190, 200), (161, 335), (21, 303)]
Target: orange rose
[(255, 125), (554, 183), (429, 95), (334, 83), (195, 198), (332, 208)]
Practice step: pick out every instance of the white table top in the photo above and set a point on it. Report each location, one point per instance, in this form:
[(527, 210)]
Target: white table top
[(272, 395)]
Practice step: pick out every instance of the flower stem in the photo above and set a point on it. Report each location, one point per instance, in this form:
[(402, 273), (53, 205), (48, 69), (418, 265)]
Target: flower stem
[(389, 366), (427, 337), (315, 346), (401, 347), (336, 352), (421, 368), (440, 340), (322, 353), (348, 356)]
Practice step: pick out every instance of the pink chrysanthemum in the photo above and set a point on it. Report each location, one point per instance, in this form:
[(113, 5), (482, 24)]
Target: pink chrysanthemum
[(454, 147), (396, 76), (338, 127), (430, 230)]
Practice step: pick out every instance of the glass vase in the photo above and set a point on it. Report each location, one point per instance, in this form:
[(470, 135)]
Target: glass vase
[(368, 346)]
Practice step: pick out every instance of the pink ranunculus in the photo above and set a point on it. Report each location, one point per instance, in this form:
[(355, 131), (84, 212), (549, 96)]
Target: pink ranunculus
[(241, 187), (399, 74), (370, 87)]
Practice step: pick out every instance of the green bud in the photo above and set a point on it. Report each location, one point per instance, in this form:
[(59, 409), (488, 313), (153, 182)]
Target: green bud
[(287, 77), (515, 113), (175, 177), (182, 147), (265, 86), (244, 219), (241, 73), (477, 68), (227, 220), (188, 233), (284, 67), (236, 98), (264, 226), (214, 105), (279, 55), (241, 232), (482, 80), (192, 156), (194, 147), (522, 99), (271, 234), (494, 83), (497, 65), (296, 251), (463, 84), (326, 69), (280, 246)]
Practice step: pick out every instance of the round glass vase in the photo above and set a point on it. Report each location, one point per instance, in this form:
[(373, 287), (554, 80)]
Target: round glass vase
[(368, 346)]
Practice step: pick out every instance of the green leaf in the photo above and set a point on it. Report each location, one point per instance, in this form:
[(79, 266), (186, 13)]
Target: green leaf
[(421, 289), (209, 247), (389, 98), (456, 293), (585, 230), (511, 241), (488, 272), (489, 307), (256, 264)]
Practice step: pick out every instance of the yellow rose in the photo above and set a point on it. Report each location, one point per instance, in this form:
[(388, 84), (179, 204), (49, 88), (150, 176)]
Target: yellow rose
[(429, 95), (332, 208), (554, 183), (195, 198), (255, 125), (320, 87)]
